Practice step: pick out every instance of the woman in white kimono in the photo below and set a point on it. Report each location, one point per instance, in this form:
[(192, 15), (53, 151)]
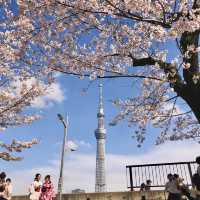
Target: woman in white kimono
[(35, 189)]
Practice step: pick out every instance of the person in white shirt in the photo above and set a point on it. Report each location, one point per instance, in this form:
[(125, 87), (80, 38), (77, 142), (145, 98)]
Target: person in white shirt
[(8, 189), (35, 189), (172, 188)]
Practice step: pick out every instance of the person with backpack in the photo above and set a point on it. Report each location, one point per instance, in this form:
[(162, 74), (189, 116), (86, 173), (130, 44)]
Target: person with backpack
[(184, 189), (196, 185)]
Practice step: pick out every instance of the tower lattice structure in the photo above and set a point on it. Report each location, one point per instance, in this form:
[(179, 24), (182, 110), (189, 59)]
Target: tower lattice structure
[(100, 134)]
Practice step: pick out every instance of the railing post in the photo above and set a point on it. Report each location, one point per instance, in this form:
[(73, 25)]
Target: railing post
[(131, 178), (190, 171)]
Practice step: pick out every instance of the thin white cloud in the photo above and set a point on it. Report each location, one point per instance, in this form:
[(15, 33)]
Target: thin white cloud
[(57, 74), (84, 144), (79, 171), (54, 94), (76, 145), (71, 145)]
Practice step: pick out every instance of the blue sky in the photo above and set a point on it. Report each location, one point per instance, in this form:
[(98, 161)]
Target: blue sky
[(79, 171), (82, 110)]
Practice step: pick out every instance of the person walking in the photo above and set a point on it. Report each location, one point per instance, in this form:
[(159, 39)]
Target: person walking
[(47, 191), (35, 189)]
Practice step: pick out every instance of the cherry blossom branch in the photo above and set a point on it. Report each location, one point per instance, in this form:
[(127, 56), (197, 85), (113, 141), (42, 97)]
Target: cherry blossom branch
[(17, 102), (170, 117), (175, 115), (18, 146), (136, 17), (107, 76), (7, 157), (122, 13)]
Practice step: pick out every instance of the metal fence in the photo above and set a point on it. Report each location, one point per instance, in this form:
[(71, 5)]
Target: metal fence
[(157, 173)]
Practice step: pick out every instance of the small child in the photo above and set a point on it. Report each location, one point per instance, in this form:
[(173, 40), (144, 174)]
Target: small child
[(8, 189), (148, 185)]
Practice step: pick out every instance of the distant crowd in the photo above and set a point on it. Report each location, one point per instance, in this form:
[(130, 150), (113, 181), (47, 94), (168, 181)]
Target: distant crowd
[(176, 188)]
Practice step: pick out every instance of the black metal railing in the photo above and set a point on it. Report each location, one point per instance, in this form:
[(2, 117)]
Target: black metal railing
[(157, 173)]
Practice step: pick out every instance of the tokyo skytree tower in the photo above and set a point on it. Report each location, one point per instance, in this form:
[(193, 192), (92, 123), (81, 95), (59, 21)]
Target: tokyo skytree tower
[(100, 134)]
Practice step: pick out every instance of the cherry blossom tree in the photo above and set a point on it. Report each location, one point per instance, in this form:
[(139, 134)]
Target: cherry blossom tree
[(119, 39), (20, 83), (19, 87)]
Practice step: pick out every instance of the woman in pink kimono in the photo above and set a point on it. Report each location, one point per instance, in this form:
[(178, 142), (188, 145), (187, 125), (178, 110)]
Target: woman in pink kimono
[(47, 192)]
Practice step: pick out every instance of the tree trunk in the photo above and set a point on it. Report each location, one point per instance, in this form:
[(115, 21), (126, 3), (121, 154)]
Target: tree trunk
[(192, 97)]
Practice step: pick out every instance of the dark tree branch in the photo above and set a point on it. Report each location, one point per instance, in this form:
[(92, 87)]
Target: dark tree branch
[(171, 98), (120, 13), (175, 115), (142, 61), (106, 76), (170, 116), (137, 17), (16, 103)]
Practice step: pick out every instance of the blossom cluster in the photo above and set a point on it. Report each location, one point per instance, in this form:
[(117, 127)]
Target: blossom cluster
[(104, 38)]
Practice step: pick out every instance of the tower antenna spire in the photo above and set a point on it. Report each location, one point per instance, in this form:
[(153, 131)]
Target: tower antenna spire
[(101, 109)]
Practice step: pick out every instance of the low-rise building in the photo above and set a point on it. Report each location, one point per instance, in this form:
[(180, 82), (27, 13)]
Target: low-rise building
[(78, 191)]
